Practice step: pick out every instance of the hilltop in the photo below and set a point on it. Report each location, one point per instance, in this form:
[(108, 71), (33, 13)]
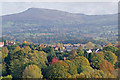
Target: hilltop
[(48, 25)]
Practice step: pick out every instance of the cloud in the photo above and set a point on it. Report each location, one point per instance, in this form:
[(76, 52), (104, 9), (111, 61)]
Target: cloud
[(90, 8)]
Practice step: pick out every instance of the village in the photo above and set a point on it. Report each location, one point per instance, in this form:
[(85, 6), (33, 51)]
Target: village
[(89, 47)]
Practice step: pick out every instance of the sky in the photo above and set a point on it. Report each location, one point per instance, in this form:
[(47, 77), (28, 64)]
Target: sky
[(89, 8), (59, 0)]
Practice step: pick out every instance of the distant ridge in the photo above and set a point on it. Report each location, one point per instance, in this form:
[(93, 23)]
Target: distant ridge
[(48, 25), (52, 16)]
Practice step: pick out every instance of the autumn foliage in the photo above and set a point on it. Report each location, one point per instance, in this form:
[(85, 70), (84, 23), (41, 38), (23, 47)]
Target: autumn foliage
[(106, 66), (54, 60)]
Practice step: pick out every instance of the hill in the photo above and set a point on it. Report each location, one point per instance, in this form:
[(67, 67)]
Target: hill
[(47, 25)]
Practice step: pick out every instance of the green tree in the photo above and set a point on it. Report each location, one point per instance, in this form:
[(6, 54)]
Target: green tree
[(90, 45), (93, 74), (80, 61), (50, 56), (56, 71), (73, 54), (85, 68), (5, 52), (6, 77), (39, 58), (27, 49), (96, 60), (97, 46), (61, 45), (110, 56), (32, 46), (48, 49), (32, 71), (16, 67), (112, 49), (18, 55), (17, 49), (3, 67), (69, 66), (80, 51)]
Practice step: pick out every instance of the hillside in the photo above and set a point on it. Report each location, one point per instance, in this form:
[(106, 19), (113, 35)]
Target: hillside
[(46, 25), (48, 16)]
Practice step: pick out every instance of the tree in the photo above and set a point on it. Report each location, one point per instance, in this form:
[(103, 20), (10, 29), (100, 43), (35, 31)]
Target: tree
[(106, 66), (111, 57), (112, 49), (18, 55), (39, 58), (90, 55), (6, 77), (12, 47), (17, 49), (73, 54), (5, 52), (72, 68), (97, 46), (88, 72), (93, 73), (50, 56), (80, 61), (3, 67), (69, 66), (27, 49), (80, 51), (96, 60), (32, 71), (50, 52), (54, 60), (87, 68), (109, 44), (16, 67), (32, 46), (61, 45), (90, 45), (21, 60), (48, 49), (56, 71)]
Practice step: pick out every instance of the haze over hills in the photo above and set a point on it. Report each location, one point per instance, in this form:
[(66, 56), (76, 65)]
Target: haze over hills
[(49, 15), (49, 25)]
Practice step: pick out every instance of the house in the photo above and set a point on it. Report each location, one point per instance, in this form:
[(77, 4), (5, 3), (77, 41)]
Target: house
[(97, 50), (10, 43), (64, 58), (63, 48), (56, 48), (1, 44), (67, 45), (76, 45), (69, 48), (53, 45), (89, 51)]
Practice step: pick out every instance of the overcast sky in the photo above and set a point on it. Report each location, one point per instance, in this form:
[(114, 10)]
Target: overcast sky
[(90, 8)]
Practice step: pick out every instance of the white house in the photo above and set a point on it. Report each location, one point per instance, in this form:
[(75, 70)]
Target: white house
[(89, 51)]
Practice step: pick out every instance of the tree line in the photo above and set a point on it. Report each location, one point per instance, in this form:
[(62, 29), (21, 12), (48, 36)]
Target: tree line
[(27, 60)]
